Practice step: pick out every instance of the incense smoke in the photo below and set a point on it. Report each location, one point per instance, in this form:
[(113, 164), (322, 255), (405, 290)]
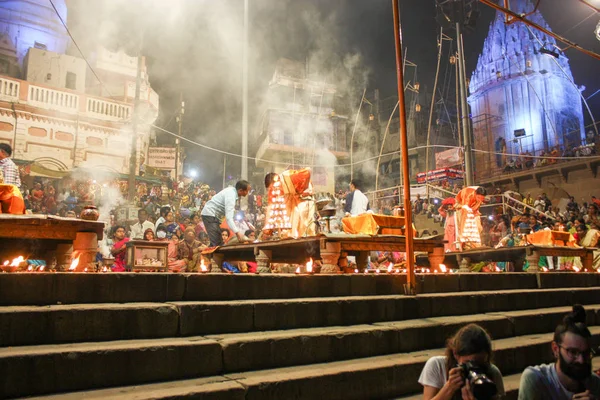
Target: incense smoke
[(195, 47)]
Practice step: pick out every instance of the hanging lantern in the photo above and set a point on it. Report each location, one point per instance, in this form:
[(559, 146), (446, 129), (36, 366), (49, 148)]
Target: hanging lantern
[(418, 108), (371, 117), (417, 86), (452, 60)]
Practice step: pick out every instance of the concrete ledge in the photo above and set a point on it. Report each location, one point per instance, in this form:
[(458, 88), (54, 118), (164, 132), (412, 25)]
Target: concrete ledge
[(213, 388), (199, 318), (80, 288), (548, 280), (30, 325), (36, 370)]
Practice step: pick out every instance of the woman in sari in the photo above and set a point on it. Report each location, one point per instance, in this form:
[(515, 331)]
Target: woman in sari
[(118, 249), (588, 238), (173, 228)]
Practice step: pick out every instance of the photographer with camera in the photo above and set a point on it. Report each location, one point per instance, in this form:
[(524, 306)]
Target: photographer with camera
[(466, 371), (570, 376)]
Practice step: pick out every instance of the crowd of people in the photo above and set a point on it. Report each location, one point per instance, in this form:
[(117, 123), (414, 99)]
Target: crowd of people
[(527, 160)]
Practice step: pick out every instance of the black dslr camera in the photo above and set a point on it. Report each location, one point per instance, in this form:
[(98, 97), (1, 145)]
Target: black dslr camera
[(483, 388)]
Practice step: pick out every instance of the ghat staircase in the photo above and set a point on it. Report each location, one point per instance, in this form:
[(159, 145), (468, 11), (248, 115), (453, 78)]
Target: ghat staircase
[(165, 336)]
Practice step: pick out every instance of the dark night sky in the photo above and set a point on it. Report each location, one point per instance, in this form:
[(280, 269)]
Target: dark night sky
[(195, 47)]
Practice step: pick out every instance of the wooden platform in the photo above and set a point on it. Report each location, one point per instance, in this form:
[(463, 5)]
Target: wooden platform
[(49, 238), (518, 254), (39, 226), (326, 246)]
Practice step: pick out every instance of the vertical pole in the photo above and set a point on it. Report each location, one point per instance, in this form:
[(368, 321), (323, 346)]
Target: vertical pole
[(224, 169), (177, 141), (410, 287), (466, 128), (353, 132), (245, 96), (134, 126)]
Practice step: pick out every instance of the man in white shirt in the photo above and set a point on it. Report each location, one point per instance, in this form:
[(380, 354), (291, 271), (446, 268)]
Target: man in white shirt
[(222, 205), (360, 202), (138, 229)]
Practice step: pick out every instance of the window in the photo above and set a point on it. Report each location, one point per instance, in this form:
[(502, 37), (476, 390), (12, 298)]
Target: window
[(4, 66), (71, 81)]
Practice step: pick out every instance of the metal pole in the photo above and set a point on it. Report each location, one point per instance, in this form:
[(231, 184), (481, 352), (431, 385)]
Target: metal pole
[(245, 96), (410, 287), (134, 127), (177, 142), (224, 169), (441, 42), (353, 132), (464, 107)]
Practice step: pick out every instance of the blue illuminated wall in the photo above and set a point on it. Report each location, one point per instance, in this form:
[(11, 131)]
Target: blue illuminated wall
[(30, 21), (515, 86)]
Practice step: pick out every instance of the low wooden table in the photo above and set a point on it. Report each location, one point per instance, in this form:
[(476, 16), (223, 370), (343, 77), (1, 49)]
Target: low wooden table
[(329, 248), (49, 237), (532, 253)]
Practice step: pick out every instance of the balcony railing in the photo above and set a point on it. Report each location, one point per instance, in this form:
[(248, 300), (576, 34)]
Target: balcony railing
[(107, 109), (53, 99), (9, 89)]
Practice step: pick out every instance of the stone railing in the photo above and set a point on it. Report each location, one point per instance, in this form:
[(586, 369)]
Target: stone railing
[(53, 99), (107, 109), (9, 89)]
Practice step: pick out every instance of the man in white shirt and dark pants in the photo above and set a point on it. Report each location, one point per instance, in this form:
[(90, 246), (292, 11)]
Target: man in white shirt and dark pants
[(138, 229), (360, 202), (223, 205)]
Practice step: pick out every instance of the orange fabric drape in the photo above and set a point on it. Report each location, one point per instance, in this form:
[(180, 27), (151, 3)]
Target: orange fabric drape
[(11, 200), (368, 224)]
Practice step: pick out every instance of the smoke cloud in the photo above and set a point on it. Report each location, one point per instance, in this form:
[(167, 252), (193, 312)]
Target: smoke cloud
[(195, 48)]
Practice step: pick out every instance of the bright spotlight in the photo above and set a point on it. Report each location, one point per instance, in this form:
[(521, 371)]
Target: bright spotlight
[(193, 173)]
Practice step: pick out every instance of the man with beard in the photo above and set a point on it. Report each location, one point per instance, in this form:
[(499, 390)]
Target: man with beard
[(570, 377)]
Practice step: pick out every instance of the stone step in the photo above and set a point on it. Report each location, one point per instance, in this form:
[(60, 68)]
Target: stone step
[(82, 288), (31, 325), (30, 370), (272, 349), (381, 377), (202, 318)]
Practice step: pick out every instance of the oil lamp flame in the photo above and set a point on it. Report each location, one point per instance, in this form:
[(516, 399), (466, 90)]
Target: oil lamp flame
[(356, 271), (30, 268), (389, 269), (443, 268), (74, 264), (309, 266), (105, 269), (85, 269), (6, 262), (298, 270), (16, 261), (203, 266), (42, 268), (576, 269)]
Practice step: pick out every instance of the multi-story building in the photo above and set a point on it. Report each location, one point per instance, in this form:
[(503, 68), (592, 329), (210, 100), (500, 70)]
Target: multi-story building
[(53, 110), (299, 126)]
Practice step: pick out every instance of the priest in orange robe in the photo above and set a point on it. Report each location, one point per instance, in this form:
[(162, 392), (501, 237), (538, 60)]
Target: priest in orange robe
[(468, 221)]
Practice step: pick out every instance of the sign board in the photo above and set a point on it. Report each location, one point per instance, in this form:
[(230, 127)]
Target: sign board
[(161, 157), (448, 158)]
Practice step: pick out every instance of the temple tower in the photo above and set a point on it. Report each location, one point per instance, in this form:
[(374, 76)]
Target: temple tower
[(522, 93)]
